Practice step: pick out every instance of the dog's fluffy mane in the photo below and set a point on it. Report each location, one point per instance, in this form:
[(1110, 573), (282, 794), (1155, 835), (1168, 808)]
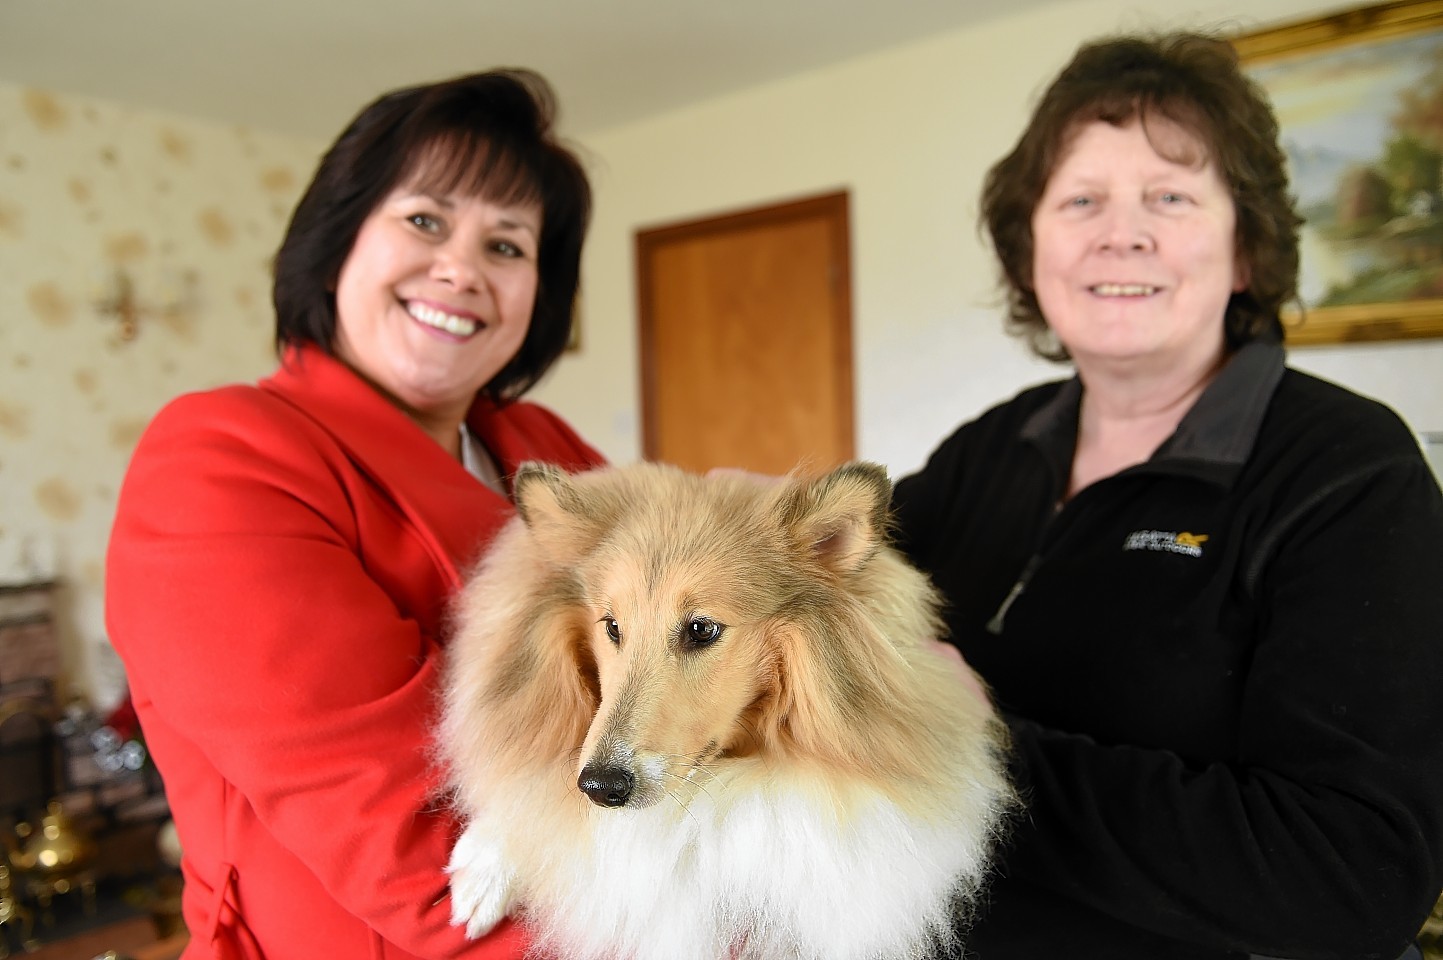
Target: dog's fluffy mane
[(849, 809)]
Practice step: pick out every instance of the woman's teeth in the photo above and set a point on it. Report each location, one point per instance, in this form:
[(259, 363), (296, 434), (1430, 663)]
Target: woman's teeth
[(1124, 290), (441, 320)]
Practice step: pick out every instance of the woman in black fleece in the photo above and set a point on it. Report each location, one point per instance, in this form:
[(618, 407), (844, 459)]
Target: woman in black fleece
[(1206, 590)]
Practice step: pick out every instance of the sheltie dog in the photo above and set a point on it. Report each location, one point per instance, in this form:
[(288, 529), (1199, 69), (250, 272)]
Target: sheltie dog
[(693, 718)]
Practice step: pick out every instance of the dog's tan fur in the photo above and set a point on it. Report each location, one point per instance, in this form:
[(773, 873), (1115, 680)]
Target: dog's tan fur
[(818, 718)]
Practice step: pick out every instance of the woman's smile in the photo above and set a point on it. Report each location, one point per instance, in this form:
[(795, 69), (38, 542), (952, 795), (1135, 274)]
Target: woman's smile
[(457, 323)]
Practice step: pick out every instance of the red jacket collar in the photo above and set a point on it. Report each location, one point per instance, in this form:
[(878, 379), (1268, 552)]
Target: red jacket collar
[(450, 508)]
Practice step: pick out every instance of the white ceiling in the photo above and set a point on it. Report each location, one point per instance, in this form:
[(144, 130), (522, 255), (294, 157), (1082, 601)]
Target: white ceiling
[(304, 67)]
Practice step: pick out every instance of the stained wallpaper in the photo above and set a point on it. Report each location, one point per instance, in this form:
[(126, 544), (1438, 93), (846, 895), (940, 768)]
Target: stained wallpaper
[(188, 211)]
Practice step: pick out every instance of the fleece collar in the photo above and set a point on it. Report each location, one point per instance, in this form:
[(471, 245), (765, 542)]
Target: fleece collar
[(1212, 442)]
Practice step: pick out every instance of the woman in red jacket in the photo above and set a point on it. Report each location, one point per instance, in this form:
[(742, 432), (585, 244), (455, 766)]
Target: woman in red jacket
[(283, 553)]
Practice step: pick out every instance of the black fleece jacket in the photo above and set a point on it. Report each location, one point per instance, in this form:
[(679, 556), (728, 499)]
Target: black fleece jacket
[(1222, 669)]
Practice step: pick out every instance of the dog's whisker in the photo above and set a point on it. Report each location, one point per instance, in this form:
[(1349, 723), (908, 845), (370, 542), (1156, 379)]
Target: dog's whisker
[(685, 807), (701, 776), (752, 733), (694, 765), (689, 779), (702, 760), (693, 760), (692, 779)]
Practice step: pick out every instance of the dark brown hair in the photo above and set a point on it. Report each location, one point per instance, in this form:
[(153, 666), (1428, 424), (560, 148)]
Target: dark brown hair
[(1194, 81), (487, 134)]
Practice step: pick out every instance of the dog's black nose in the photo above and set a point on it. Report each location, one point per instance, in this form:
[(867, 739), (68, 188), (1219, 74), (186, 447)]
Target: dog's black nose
[(606, 786)]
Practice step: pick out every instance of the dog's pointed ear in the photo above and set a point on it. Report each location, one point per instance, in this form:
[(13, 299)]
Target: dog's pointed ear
[(543, 493), (554, 508), (840, 517)]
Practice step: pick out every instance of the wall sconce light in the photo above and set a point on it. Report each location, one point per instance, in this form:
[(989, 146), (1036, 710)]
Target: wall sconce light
[(116, 299)]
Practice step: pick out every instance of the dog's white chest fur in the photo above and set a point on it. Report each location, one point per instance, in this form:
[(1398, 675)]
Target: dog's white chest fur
[(775, 874)]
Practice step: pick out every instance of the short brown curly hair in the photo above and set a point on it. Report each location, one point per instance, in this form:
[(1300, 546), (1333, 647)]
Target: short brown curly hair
[(1194, 81)]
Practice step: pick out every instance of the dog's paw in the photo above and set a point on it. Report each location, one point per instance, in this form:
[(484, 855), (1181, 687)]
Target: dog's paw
[(481, 882)]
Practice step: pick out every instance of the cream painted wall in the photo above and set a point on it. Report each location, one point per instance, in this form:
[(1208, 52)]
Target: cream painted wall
[(910, 133), (193, 212)]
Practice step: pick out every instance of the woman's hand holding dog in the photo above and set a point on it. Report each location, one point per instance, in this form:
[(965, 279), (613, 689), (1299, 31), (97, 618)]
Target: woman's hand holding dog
[(969, 679)]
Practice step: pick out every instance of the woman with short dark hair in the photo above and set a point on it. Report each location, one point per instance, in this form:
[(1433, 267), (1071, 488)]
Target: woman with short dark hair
[(1187, 80), (1202, 587), (486, 134), (283, 553)]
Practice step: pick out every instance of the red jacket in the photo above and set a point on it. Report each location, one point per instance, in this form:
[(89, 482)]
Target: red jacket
[(277, 582)]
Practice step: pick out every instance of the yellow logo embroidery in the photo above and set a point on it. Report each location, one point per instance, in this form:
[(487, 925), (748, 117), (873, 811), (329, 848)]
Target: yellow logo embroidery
[(1166, 541)]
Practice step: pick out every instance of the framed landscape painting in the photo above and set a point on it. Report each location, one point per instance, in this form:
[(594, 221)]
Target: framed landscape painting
[(1359, 100)]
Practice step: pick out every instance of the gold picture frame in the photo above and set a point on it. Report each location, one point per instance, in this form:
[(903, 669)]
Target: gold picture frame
[(1351, 91)]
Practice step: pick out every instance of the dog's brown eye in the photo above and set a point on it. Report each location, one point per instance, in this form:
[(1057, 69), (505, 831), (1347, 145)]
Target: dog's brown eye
[(613, 629), (702, 631)]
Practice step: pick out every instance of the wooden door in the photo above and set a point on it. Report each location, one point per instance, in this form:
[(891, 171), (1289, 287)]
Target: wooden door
[(746, 343)]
